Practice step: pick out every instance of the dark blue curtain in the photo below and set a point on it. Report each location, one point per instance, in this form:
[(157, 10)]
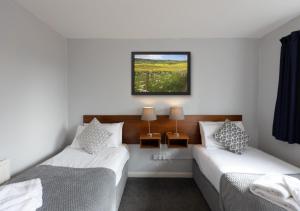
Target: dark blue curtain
[(286, 125)]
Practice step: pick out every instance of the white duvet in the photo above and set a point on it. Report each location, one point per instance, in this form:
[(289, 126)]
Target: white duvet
[(215, 162), (113, 158)]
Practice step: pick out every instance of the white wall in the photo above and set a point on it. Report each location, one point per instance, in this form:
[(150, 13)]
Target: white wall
[(33, 92), (268, 85), (34, 98), (224, 81)]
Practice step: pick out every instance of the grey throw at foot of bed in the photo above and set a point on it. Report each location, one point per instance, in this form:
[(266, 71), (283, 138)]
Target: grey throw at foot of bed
[(72, 189), (234, 192)]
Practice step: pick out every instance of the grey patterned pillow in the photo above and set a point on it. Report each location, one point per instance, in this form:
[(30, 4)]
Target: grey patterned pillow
[(233, 138), (93, 137)]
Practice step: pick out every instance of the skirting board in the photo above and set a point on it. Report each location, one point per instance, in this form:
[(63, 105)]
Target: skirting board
[(161, 174)]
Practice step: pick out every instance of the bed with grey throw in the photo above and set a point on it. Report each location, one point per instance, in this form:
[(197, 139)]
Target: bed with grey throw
[(234, 193), (74, 189)]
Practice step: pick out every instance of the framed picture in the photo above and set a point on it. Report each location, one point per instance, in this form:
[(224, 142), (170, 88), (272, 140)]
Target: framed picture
[(161, 73)]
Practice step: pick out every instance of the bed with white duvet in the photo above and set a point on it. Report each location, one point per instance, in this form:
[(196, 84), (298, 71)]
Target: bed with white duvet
[(76, 179), (113, 158), (225, 177), (215, 162)]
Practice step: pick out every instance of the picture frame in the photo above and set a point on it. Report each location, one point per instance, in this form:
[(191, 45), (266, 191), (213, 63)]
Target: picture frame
[(161, 73)]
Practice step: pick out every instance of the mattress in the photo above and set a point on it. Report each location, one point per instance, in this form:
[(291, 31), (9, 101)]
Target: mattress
[(113, 158), (215, 162)]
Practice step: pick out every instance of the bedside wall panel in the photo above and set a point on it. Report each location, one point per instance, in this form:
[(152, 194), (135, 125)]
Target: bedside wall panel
[(133, 125)]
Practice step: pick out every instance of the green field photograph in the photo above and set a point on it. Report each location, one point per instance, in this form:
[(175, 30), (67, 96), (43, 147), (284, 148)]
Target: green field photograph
[(161, 73)]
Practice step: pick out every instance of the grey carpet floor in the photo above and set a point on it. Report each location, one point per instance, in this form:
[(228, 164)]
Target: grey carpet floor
[(162, 194)]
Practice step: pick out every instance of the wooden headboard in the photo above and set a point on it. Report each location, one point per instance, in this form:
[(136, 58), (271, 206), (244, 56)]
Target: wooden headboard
[(133, 125)]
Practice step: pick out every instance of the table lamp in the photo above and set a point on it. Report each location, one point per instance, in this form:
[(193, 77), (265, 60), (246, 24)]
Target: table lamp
[(149, 114), (176, 113)]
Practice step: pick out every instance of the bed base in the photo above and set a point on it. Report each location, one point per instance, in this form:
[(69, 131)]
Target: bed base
[(208, 191), (121, 186)]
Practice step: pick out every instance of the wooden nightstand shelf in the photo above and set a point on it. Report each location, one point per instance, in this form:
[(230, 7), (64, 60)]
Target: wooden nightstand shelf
[(153, 141), (180, 141)]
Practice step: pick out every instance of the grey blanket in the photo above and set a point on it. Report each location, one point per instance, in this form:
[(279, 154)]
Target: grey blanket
[(236, 196), (72, 189)]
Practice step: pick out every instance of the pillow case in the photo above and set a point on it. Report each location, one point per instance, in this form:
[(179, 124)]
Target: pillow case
[(116, 129), (207, 131), (232, 137), (75, 142), (113, 141), (120, 132), (93, 137)]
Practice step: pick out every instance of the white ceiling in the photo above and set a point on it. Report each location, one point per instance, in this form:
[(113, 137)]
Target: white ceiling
[(163, 18)]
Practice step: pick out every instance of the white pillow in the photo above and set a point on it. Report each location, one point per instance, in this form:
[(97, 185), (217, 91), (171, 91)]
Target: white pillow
[(93, 137), (114, 140), (75, 143), (116, 129), (208, 129), (120, 132)]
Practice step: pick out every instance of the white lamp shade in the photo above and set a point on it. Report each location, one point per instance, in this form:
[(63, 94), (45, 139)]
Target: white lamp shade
[(149, 114), (176, 113)]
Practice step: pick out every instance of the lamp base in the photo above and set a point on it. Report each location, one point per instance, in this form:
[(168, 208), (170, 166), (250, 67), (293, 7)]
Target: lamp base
[(149, 134), (177, 134)]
